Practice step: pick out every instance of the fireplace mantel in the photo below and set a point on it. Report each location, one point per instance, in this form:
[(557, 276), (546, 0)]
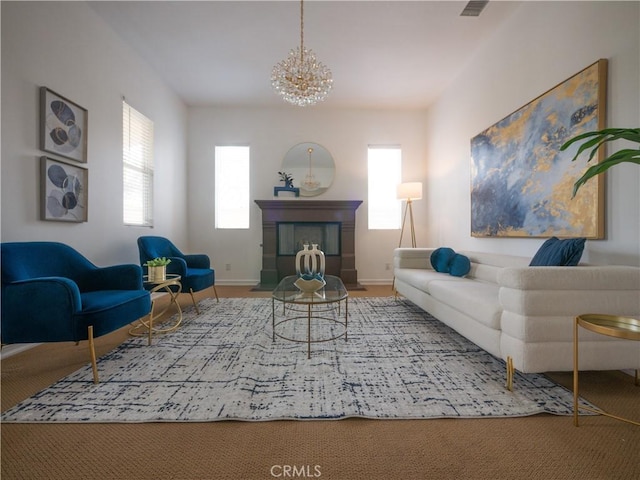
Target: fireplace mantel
[(275, 268)]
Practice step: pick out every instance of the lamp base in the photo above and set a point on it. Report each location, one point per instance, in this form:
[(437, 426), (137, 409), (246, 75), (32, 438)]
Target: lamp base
[(408, 209)]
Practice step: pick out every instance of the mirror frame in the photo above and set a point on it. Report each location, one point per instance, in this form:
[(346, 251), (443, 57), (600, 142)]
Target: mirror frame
[(322, 167)]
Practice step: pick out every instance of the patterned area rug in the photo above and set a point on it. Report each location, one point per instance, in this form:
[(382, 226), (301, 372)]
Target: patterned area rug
[(398, 363)]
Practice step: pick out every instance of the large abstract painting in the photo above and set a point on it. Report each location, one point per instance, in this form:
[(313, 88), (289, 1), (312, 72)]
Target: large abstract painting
[(521, 183)]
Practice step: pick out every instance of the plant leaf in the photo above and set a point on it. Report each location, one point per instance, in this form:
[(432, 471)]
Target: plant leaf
[(627, 155), (601, 137)]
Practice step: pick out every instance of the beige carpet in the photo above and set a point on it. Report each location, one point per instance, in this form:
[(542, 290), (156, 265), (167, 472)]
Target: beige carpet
[(538, 447)]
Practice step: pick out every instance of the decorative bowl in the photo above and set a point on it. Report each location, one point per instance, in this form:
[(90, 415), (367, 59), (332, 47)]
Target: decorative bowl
[(309, 286)]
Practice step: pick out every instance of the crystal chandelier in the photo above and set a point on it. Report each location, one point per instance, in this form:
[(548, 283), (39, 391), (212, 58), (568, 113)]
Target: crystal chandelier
[(310, 183), (300, 78)]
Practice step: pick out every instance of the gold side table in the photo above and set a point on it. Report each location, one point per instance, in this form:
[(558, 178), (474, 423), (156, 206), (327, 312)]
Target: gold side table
[(613, 326), (145, 327)]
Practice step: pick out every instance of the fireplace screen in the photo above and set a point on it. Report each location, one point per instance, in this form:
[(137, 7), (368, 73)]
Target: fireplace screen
[(292, 236)]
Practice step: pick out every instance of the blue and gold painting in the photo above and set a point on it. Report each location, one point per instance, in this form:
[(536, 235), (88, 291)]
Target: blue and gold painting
[(63, 128), (521, 183), (64, 191)]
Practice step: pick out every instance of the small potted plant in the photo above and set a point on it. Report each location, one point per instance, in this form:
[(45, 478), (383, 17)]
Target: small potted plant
[(157, 269), (287, 179)]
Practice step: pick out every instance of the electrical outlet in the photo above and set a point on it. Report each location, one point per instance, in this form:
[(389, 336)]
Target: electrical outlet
[(227, 267)]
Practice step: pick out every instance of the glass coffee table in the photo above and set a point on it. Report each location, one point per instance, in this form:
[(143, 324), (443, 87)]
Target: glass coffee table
[(323, 305)]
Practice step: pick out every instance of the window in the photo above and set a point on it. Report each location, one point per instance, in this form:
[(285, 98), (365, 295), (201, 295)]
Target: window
[(137, 166), (232, 187), (384, 172)]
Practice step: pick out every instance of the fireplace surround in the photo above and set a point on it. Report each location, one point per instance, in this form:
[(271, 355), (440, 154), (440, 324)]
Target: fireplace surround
[(341, 258)]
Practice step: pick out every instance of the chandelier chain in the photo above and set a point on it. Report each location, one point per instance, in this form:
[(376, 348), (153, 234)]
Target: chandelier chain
[(301, 31)]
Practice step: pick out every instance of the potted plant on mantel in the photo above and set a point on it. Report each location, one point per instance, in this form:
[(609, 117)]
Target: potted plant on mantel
[(157, 269), (596, 140)]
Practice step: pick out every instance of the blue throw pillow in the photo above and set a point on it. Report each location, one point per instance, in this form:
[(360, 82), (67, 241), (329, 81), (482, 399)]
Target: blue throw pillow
[(460, 265), (559, 253), (441, 259)]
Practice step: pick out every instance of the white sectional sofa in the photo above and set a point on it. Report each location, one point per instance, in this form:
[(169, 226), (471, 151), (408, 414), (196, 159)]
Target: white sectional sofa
[(525, 315)]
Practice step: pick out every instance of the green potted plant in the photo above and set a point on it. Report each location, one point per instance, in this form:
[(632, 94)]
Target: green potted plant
[(157, 269), (287, 179), (595, 140)]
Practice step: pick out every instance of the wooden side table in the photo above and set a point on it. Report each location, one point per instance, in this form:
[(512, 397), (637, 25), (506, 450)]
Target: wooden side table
[(613, 326), (145, 327)]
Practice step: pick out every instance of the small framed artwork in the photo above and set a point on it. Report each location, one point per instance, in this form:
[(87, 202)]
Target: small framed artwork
[(63, 126), (64, 191)]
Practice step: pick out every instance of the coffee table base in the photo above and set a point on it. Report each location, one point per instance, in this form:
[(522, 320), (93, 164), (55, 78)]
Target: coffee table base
[(309, 317)]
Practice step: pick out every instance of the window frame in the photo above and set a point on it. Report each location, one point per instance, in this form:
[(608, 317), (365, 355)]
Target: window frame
[(137, 166), (232, 194), (386, 196)]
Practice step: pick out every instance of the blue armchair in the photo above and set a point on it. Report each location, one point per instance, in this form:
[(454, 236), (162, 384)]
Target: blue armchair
[(51, 293), (194, 269)]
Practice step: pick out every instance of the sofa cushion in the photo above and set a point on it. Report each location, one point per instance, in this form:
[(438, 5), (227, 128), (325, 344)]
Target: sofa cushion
[(459, 266), (559, 253), (420, 278), (478, 300), (441, 259)]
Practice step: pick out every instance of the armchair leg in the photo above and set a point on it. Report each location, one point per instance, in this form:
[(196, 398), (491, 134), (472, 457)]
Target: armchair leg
[(193, 299), (92, 352)]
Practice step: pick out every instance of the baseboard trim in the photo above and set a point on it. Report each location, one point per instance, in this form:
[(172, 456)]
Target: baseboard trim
[(10, 350)]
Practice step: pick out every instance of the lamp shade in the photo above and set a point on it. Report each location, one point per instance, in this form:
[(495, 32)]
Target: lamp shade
[(409, 190)]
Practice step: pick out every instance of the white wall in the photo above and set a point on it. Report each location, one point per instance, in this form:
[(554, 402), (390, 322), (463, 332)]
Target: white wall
[(66, 47), (270, 134), (540, 46)]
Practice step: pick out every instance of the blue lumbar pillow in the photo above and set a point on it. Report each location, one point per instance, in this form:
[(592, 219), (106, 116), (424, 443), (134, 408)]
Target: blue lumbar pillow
[(441, 259), (559, 253), (459, 266)]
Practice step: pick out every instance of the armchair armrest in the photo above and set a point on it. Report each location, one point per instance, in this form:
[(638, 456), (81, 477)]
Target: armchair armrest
[(178, 265), (39, 309), (114, 277), (197, 260)]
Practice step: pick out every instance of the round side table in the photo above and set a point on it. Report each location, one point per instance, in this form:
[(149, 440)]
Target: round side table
[(145, 325), (613, 326)]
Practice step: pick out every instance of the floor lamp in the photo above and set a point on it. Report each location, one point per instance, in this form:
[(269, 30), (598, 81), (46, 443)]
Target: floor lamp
[(409, 191)]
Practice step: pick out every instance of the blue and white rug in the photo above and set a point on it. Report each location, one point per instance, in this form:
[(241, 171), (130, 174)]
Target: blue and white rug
[(398, 363)]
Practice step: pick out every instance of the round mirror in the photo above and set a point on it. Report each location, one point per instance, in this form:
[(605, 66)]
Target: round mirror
[(311, 167)]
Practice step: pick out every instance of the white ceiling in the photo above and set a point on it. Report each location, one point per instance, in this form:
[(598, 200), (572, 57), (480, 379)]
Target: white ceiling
[(383, 54)]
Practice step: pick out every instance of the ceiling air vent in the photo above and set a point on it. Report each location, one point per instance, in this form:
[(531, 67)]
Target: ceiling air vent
[(473, 8)]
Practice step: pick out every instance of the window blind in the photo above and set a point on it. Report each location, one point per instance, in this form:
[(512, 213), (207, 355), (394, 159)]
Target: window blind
[(137, 161)]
